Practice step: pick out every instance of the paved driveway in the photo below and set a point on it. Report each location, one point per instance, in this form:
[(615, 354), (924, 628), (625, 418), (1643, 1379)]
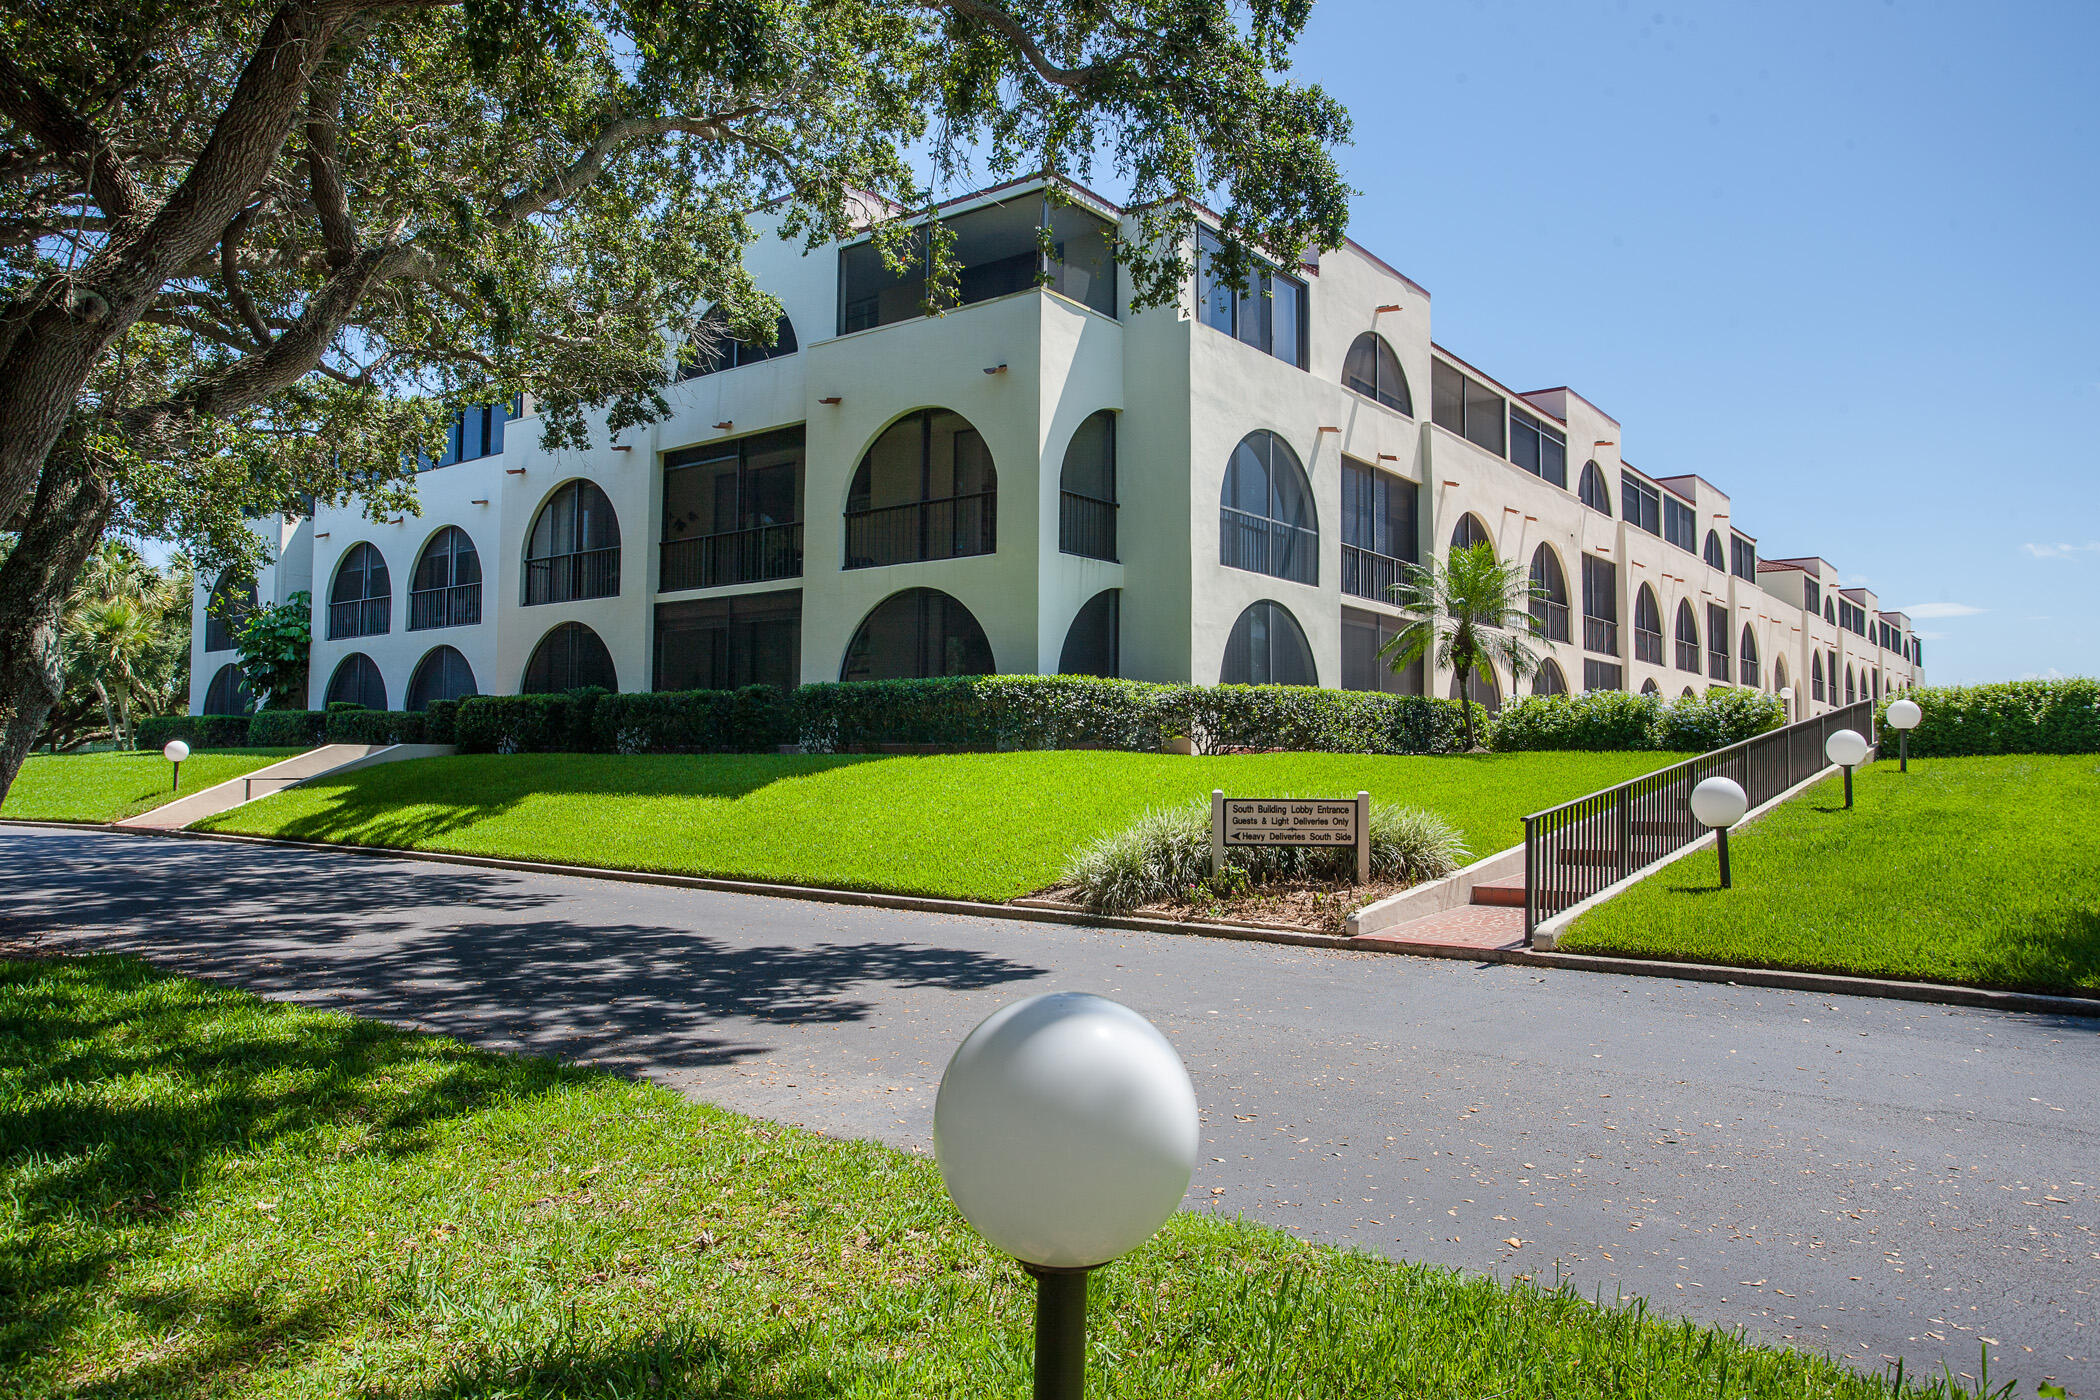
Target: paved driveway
[(1866, 1177)]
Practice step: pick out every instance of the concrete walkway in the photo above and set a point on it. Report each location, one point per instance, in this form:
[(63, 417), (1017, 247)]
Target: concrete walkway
[(325, 761)]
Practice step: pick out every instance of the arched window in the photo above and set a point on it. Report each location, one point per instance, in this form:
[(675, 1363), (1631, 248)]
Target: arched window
[(1747, 661), (1779, 674), (228, 693), (361, 601), (442, 674), (1550, 680), (1714, 556), (1686, 694), (573, 551), (1086, 512), (1815, 674), (1647, 627), (228, 607), (1373, 370), (1851, 693), (357, 682), (570, 657), (916, 634), (446, 589), (1484, 687), (1595, 494), (1092, 643), (1549, 597), (1830, 612), (1266, 521), (1267, 647), (1649, 687), (716, 349), (926, 489), (1687, 638), (1469, 532)]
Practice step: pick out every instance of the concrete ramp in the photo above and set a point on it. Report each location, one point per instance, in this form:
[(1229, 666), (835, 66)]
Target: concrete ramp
[(323, 762)]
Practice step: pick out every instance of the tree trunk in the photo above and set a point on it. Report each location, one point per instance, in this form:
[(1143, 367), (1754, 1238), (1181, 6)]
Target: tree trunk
[(59, 532), (1465, 702)]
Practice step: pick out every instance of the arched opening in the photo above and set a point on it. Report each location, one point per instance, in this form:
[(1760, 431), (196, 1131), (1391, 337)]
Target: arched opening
[(1484, 687), (442, 674), (1373, 370), (228, 693), (1468, 532), (914, 635), (573, 551), (1747, 662), (1686, 694), (1266, 519), (1714, 557), (361, 600), (1549, 595), (232, 600), (356, 682), (1550, 680), (925, 489), (1086, 510), (1830, 612), (1687, 638), (1851, 693), (1093, 642), (1267, 647), (569, 657), (1649, 687), (1779, 674), (714, 348), (446, 588), (1595, 494), (1647, 626), (1815, 674)]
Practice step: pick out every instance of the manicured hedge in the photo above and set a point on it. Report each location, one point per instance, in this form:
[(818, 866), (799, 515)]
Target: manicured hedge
[(348, 725), (198, 731), (755, 719), (1303, 717), (285, 729), (2061, 716), (1717, 719), (1611, 720), (528, 723)]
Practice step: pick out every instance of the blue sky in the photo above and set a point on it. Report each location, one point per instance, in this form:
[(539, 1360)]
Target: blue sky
[(1841, 259)]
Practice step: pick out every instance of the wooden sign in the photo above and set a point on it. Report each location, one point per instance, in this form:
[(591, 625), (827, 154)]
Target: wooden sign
[(1291, 821)]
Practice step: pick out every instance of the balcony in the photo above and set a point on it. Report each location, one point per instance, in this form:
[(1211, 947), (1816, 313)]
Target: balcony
[(1601, 635), (568, 578), (1648, 646), (1717, 665), (950, 527), (459, 606), (1552, 619), (364, 617), (1688, 655), (1265, 546), (1369, 574), (1086, 526), (733, 556)]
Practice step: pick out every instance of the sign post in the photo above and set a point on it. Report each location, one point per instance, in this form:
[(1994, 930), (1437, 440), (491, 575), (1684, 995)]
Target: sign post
[(1291, 821)]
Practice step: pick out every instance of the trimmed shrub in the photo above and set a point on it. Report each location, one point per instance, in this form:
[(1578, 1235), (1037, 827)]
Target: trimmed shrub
[(1717, 719), (2061, 716), (1595, 721), (834, 716), (198, 731), (438, 721), (362, 726), (284, 729), (754, 719), (515, 723), (1308, 718)]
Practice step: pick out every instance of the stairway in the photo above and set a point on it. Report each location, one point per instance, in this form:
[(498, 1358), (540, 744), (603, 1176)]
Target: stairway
[(1494, 920)]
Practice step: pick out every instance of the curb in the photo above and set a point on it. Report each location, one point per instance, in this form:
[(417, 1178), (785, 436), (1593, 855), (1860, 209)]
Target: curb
[(1027, 912)]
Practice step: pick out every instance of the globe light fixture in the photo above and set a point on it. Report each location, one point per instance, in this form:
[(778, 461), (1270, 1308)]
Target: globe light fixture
[(175, 752), (1720, 803), (1066, 1131), (1903, 716), (1847, 748)]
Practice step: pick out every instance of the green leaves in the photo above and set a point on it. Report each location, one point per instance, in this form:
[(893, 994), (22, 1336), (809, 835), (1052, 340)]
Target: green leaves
[(274, 643)]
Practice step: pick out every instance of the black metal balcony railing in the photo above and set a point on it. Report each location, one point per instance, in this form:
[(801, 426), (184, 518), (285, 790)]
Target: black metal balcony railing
[(1717, 665), (1647, 646), (362, 617), (732, 556), (565, 578), (1266, 546), (1552, 618), (457, 606), (1601, 635), (950, 527), (1750, 673), (1688, 655), (1086, 525), (1368, 574)]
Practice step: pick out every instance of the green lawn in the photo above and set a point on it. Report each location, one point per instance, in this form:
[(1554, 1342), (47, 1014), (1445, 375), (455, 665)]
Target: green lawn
[(1982, 871), (107, 787), (982, 826), (205, 1194)]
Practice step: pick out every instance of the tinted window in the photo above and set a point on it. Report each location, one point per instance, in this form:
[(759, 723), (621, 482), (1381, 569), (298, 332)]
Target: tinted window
[(916, 634), (1537, 448), (1267, 647), (1640, 504), (724, 643), (1373, 370)]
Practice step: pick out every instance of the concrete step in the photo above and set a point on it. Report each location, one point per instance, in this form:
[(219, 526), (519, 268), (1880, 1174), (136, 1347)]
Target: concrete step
[(1508, 893), (1470, 927)]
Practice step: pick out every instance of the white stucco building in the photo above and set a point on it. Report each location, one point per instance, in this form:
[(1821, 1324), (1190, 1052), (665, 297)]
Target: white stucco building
[(1040, 480)]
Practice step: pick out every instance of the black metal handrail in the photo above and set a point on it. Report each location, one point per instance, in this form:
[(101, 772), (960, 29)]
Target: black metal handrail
[(361, 617), (1579, 848), (732, 556), (564, 578), (1249, 541), (1601, 635), (457, 606), (1553, 619), (1368, 574), (949, 527), (1086, 526)]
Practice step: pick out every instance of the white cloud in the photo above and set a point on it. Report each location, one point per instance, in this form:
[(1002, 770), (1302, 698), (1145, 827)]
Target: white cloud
[(2052, 674), (2059, 551), (1931, 636), (1941, 610)]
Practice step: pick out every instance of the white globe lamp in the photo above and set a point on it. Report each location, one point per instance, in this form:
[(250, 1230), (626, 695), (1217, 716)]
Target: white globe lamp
[(1066, 1131), (1903, 716), (1720, 803), (175, 751), (1847, 748)]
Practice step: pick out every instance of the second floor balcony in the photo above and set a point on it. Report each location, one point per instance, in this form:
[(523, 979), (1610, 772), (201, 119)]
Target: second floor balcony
[(1600, 635), (456, 606), (567, 578), (753, 555), (948, 527), (1369, 574)]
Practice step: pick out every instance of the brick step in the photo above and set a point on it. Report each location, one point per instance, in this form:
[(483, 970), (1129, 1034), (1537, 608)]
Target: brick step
[(1455, 931), (1508, 894)]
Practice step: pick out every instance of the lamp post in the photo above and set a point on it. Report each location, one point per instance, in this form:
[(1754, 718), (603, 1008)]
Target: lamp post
[(1786, 702), (1903, 716), (1719, 803), (1847, 748), (175, 752), (1066, 1131)]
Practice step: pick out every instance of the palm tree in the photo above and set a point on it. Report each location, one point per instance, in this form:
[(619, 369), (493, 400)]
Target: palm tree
[(118, 637), (1468, 611)]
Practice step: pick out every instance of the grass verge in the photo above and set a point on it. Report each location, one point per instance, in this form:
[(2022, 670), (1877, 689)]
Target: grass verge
[(209, 1194), (1978, 871), (108, 787), (967, 826)]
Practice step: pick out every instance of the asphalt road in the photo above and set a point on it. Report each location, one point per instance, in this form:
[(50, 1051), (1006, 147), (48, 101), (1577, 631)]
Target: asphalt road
[(1870, 1178)]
